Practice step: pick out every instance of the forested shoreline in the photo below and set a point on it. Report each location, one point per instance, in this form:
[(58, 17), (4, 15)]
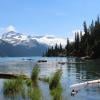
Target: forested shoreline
[(87, 44)]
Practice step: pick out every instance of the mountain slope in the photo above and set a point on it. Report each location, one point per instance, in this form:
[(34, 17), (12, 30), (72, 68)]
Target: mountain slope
[(51, 40), (19, 38), (7, 49), (18, 44)]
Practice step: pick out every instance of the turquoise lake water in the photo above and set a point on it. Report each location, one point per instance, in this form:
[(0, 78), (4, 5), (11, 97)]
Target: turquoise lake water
[(72, 73)]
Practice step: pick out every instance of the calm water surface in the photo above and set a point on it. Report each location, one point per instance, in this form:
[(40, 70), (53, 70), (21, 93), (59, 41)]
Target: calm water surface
[(72, 73)]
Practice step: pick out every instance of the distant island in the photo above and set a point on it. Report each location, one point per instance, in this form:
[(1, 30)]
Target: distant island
[(84, 45)]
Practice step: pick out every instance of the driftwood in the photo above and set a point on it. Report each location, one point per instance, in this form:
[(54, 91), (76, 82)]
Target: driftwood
[(75, 62), (62, 63), (39, 61), (85, 84), (11, 75)]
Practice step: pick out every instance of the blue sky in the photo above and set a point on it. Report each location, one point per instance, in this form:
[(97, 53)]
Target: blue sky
[(48, 17)]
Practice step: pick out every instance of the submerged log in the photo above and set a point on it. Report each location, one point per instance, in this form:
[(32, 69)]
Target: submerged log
[(86, 58), (11, 75), (76, 62), (62, 63)]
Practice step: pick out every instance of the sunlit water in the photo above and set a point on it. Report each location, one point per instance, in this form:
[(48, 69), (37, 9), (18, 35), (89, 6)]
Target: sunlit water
[(72, 73)]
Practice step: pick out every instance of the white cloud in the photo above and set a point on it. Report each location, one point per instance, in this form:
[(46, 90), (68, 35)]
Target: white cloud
[(10, 28), (72, 34), (7, 29)]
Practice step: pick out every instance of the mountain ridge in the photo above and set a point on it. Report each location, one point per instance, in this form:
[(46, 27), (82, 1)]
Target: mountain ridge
[(16, 38), (19, 44)]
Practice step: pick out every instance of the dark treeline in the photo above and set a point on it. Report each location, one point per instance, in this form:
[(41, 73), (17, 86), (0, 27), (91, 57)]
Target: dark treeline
[(58, 50), (87, 44)]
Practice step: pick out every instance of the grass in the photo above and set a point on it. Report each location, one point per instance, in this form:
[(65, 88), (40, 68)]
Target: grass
[(35, 73), (55, 86), (55, 80), (34, 93), (26, 89), (28, 82), (57, 93), (23, 87), (12, 86)]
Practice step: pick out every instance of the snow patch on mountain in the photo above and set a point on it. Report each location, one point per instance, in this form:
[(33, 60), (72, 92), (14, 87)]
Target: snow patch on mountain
[(51, 40), (21, 39)]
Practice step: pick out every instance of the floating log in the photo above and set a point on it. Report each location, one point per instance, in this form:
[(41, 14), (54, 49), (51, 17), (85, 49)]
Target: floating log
[(11, 75), (75, 62), (62, 63), (39, 61), (86, 58), (84, 84), (29, 59)]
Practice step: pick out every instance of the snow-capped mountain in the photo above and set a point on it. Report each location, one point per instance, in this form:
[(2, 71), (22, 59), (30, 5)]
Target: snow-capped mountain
[(50, 40), (21, 39), (18, 39), (18, 44)]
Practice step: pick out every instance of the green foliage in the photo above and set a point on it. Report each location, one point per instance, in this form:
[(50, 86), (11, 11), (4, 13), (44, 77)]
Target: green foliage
[(23, 87), (55, 86), (86, 44), (34, 93), (57, 93), (12, 87), (54, 82), (35, 73), (29, 82), (55, 51), (96, 49), (67, 48)]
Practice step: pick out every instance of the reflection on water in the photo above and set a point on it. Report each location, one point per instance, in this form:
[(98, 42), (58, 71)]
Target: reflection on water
[(72, 73)]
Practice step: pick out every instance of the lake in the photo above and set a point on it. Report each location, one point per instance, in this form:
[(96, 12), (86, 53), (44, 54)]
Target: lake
[(72, 73)]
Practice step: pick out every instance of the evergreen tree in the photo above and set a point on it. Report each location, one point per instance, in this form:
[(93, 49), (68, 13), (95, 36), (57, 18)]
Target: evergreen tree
[(67, 47), (60, 47), (87, 44)]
